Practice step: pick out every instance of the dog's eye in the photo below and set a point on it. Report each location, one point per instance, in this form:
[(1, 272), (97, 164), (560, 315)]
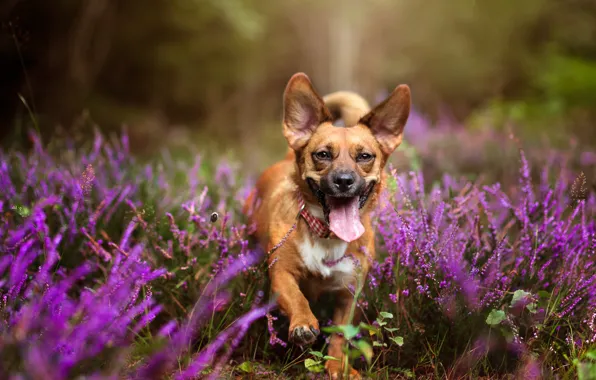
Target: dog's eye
[(323, 155), (363, 157)]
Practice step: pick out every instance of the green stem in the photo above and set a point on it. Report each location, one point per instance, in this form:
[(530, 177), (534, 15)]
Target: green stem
[(346, 350)]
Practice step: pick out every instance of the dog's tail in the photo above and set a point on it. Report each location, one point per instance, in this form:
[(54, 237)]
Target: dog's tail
[(346, 105)]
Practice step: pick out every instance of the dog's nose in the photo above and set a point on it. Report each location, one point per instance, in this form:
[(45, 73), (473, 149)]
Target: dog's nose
[(344, 181)]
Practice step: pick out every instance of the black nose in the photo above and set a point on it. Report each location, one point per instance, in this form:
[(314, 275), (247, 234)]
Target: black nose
[(344, 181)]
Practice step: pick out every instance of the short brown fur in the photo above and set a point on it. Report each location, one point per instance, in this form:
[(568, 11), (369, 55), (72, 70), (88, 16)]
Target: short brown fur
[(273, 205)]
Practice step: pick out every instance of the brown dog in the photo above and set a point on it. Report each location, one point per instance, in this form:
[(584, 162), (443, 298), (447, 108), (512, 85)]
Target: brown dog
[(312, 209)]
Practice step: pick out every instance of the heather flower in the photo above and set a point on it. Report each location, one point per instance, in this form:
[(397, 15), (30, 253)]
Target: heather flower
[(273, 339), (87, 179), (233, 333), (393, 297), (588, 159)]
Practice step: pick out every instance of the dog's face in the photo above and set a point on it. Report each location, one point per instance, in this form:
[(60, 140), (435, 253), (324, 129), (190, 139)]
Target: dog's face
[(342, 165)]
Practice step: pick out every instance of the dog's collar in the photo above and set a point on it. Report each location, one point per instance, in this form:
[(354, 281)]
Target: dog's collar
[(318, 227)]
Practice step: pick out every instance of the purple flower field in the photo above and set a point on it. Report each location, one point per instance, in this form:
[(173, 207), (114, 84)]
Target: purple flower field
[(115, 268)]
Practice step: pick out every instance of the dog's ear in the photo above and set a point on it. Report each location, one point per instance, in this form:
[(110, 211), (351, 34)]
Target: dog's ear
[(388, 119), (303, 111)]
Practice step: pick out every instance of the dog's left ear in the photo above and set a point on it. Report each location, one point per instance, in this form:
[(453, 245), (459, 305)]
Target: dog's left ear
[(388, 119), (303, 111)]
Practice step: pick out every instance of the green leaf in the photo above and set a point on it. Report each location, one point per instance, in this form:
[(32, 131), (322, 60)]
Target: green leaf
[(354, 354), (391, 329), (586, 371), (313, 365), (207, 371), (519, 295), (247, 367), (365, 349), (532, 308), (397, 340), (327, 357), (349, 331), (508, 334), (379, 344), (368, 327), (385, 314), (372, 330), (317, 354), (495, 317), (381, 323), (22, 211), (591, 354), (332, 329), (543, 294)]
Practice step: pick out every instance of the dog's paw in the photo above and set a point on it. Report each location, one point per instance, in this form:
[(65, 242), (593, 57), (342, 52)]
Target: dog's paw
[(304, 333), (335, 371)]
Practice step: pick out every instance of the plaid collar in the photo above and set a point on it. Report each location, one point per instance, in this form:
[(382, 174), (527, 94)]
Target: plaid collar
[(319, 227)]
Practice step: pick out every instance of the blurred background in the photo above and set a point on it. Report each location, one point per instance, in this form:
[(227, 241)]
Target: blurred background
[(212, 72)]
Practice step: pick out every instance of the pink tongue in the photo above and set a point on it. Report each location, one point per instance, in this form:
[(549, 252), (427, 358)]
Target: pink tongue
[(344, 219)]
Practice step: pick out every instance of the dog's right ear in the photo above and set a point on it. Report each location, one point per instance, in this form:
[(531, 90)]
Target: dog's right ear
[(303, 111)]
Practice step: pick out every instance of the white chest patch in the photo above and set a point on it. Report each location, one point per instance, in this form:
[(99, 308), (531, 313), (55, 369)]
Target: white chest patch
[(328, 250)]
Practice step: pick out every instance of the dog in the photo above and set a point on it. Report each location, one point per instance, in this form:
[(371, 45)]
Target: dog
[(311, 211)]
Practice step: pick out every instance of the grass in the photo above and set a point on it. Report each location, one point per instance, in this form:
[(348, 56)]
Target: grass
[(472, 279)]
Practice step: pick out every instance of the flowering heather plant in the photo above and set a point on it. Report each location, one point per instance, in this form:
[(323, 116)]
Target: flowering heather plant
[(78, 291), (463, 256), (482, 151), (115, 268)]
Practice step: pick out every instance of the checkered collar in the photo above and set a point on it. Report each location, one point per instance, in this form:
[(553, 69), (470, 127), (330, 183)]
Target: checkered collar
[(318, 227)]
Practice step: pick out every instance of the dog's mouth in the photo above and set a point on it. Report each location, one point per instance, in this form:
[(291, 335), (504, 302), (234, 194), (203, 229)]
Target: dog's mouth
[(342, 214)]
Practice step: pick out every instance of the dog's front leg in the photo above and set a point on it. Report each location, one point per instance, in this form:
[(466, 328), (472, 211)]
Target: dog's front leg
[(304, 326), (341, 316)]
